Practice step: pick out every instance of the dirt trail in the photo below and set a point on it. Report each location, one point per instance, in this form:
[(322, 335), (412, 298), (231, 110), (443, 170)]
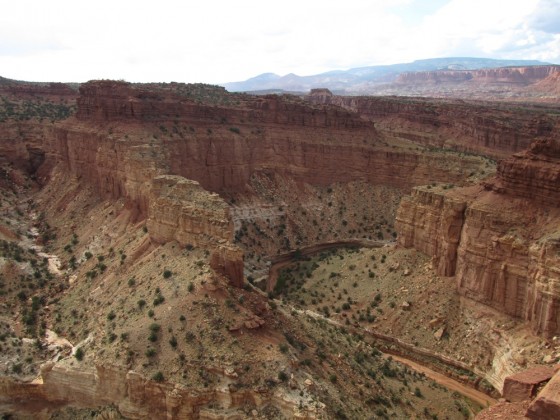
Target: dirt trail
[(477, 396), (451, 384)]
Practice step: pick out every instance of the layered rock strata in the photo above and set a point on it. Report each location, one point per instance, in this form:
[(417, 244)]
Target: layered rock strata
[(181, 210), (547, 403), (500, 240), (226, 143), (135, 396), (523, 386), (125, 136), (491, 129), (504, 75)]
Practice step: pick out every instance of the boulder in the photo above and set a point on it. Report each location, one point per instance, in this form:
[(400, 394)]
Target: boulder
[(522, 386)]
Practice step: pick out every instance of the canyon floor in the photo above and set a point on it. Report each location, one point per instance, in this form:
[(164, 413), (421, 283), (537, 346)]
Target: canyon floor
[(176, 251), (188, 326)]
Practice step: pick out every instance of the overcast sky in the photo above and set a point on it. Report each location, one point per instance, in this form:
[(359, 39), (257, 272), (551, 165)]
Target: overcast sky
[(217, 41)]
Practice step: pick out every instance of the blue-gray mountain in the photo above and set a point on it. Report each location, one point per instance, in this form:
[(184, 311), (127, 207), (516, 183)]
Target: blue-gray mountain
[(366, 79)]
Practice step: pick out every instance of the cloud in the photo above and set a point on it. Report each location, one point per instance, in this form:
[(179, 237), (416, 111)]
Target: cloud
[(217, 41), (546, 17)]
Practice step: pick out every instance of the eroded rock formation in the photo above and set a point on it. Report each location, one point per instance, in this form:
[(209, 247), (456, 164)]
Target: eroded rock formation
[(124, 136), (547, 403), (523, 386), (503, 75), (181, 210), (135, 395), (500, 239), (486, 128)]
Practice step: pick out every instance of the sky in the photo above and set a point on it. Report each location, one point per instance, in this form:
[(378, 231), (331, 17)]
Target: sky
[(218, 41)]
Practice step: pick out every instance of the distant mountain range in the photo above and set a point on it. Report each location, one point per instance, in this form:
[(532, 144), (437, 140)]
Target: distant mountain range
[(366, 79)]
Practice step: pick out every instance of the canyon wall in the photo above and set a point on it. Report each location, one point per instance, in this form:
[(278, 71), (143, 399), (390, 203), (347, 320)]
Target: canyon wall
[(181, 210), (135, 396), (490, 129), (124, 136), (504, 75), (21, 144), (500, 240), (229, 140), (431, 222)]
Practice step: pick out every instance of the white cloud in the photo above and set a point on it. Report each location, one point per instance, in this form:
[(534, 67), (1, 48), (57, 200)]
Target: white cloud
[(217, 41)]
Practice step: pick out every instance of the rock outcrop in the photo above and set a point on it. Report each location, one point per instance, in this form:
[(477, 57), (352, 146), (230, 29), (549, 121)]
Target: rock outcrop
[(225, 144), (181, 210), (135, 395), (534, 174), (523, 386), (431, 222), (547, 403), (475, 127), (124, 135), (504, 75), (500, 240)]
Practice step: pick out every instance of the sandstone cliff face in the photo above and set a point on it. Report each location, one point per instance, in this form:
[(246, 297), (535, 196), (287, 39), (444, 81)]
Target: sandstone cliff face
[(493, 260), (106, 101), (124, 136), (500, 240), (547, 403), (544, 273), (135, 396), (116, 166), (28, 90), (534, 174), (21, 145), (481, 127), (431, 222), (317, 145), (504, 75), (226, 144), (181, 210)]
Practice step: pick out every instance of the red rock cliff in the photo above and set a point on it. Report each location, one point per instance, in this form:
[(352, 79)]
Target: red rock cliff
[(504, 75), (181, 210), (221, 142), (503, 248), (491, 129), (125, 136)]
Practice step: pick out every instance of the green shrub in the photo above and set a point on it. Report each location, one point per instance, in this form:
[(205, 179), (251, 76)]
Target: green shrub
[(173, 341), (158, 376)]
